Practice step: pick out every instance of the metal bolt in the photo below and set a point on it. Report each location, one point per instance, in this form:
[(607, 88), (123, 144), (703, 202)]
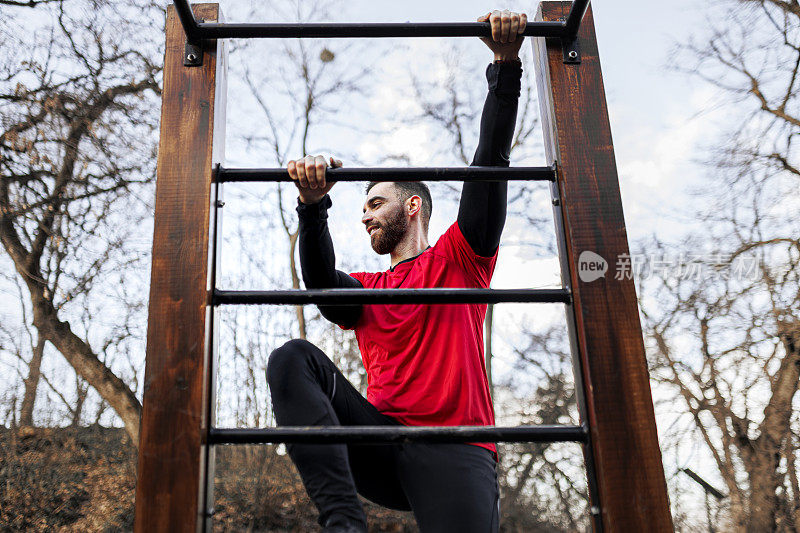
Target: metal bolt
[(573, 54), (556, 201), (220, 203), (191, 57)]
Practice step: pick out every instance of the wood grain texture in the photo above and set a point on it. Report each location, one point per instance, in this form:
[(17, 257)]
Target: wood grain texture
[(174, 464), (616, 397)]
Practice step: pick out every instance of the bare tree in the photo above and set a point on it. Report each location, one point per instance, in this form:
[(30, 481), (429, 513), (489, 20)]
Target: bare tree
[(723, 337), (295, 97), (543, 483), (295, 94), (728, 348), (76, 147)]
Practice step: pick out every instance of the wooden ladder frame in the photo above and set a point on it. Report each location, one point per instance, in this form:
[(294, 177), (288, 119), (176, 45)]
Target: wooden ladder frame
[(175, 469)]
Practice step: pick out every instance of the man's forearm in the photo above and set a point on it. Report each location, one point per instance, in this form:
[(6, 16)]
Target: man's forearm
[(482, 211), (318, 261)]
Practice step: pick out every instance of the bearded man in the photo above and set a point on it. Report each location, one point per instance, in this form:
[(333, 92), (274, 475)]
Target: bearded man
[(424, 363)]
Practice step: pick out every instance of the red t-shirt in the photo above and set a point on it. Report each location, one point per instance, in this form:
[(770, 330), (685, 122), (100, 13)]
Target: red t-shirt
[(425, 363)]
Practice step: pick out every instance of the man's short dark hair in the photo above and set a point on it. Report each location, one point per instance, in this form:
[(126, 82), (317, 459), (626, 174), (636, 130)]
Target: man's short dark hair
[(407, 189)]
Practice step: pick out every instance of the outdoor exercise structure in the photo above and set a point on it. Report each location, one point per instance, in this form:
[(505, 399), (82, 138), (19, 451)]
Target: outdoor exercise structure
[(617, 431)]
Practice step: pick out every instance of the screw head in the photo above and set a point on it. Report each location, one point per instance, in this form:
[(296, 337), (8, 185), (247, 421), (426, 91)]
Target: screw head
[(572, 54), (191, 57)]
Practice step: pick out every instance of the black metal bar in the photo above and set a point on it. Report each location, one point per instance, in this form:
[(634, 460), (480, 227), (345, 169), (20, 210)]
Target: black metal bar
[(189, 23), (390, 296), (375, 434), (248, 30), (399, 174), (710, 489), (213, 30), (573, 23)]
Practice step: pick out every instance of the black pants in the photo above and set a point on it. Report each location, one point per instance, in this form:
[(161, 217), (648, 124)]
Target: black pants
[(449, 487)]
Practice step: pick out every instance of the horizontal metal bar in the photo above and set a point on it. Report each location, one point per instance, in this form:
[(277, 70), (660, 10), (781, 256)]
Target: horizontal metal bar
[(399, 174), (390, 296), (401, 434), (213, 30)]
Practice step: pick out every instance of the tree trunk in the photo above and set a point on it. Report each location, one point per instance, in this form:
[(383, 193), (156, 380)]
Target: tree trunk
[(298, 309), (775, 430), (86, 363), (791, 469), (81, 390), (764, 483), (76, 351), (32, 383)]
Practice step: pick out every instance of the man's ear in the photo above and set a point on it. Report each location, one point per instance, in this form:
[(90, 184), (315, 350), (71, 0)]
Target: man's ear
[(414, 205)]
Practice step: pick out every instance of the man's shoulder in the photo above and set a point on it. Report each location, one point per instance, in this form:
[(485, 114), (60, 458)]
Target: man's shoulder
[(367, 279), (452, 239), (453, 246)]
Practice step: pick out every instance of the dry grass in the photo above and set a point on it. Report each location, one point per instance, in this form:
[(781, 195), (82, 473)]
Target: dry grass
[(83, 479)]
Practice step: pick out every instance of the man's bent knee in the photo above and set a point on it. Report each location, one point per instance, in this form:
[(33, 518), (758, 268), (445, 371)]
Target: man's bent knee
[(287, 358)]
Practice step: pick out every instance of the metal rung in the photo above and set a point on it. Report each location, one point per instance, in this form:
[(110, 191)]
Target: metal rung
[(327, 30), (376, 434), (213, 30), (399, 174), (391, 296)]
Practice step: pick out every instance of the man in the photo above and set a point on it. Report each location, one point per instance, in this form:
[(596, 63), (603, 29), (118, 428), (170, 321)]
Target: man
[(424, 363)]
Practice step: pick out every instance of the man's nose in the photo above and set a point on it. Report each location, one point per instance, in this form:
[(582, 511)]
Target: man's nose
[(366, 218)]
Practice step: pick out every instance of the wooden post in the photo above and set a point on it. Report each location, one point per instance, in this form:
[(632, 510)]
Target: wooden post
[(175, 465), (606, 332)]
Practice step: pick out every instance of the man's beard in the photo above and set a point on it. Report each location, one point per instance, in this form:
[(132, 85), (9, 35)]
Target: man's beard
[(391, 233)]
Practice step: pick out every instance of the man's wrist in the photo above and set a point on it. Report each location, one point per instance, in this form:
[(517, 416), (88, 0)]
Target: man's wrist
[(310, 201), (317, 209)]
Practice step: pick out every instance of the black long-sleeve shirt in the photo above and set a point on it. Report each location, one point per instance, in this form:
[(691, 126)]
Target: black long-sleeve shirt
[(481, 212)]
